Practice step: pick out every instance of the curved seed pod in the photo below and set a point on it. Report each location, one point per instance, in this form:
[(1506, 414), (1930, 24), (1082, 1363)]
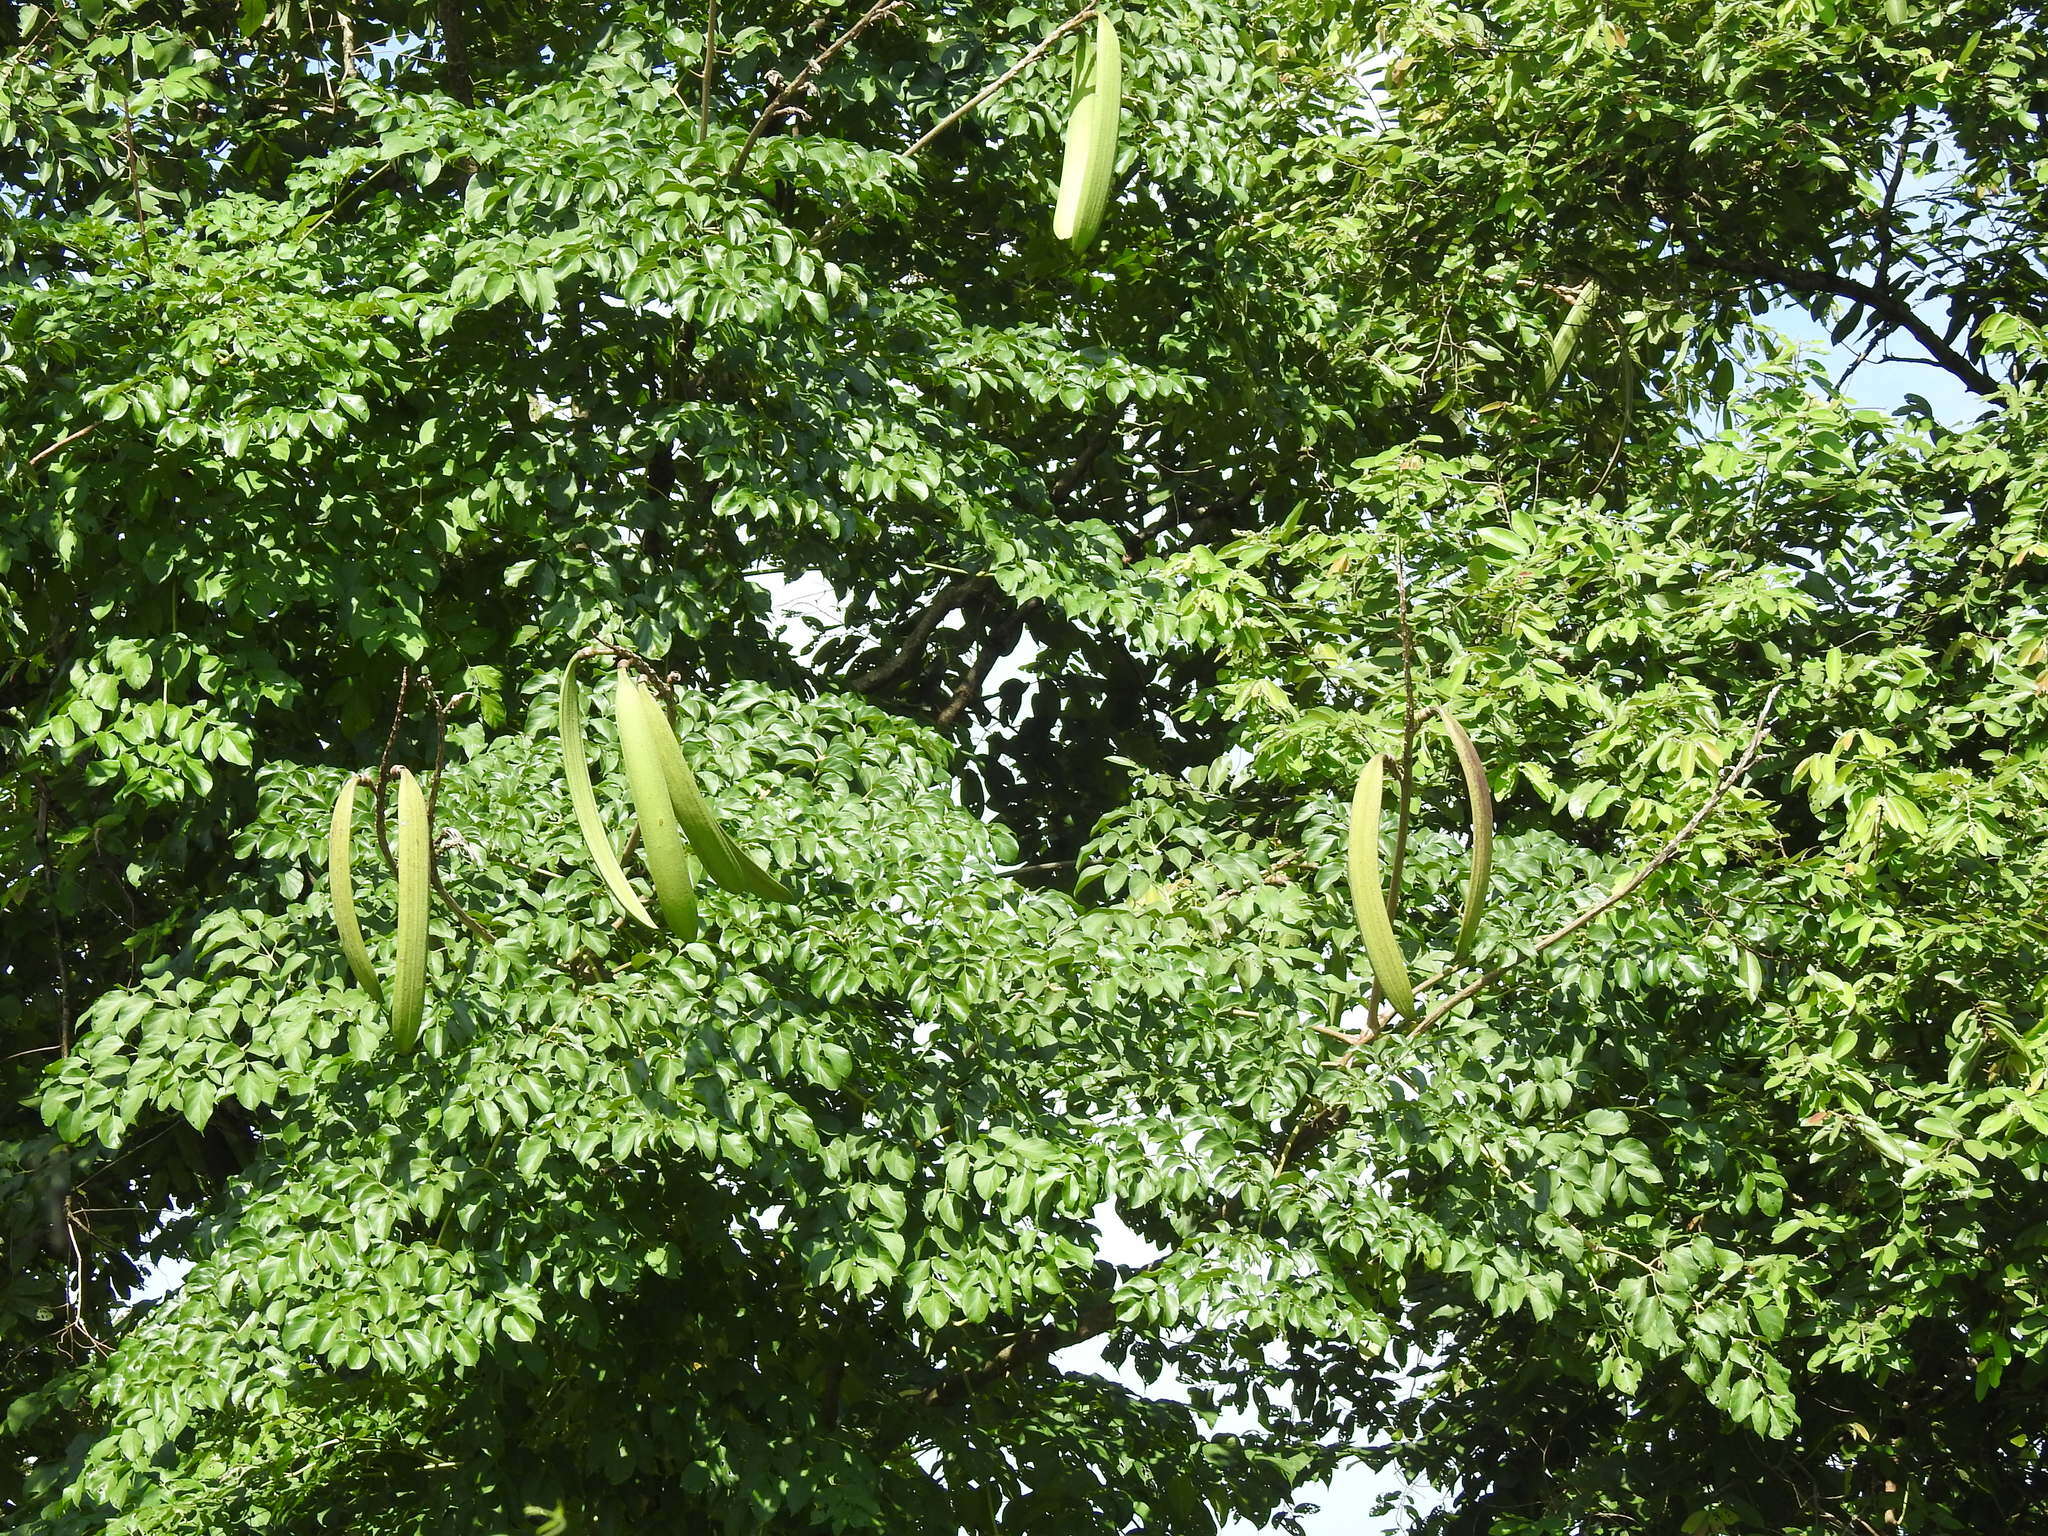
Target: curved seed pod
[(1566, 341), (576, 769), (1479, 794), (667, 863), (1091, 140), (341, 889), (723, 859), (1368, 896), (409, 989)]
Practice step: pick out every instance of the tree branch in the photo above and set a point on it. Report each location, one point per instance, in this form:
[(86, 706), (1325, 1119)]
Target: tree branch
[(1051, 39), (454, 51), (710, 63), (1883, 261), (950, 597), (1881, 302), (1034, 1345), (804, 76), (64, 441), (1673, 845), (1002, 639)]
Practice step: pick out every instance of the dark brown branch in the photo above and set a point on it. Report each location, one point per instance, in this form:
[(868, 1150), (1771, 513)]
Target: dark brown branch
[(1071, 477), (1026, 1348), (381, 797), (1410, 723), (919, 636), (710, 62), (455, 76), (1883, 263), (1001, 641), (1051, 867), (1881, 302)]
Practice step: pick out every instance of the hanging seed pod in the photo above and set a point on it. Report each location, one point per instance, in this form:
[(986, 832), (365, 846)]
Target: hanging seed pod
[(1091, 140), (342, 892), (1479, 795), (1566, 341), (723, 859), (640, 724), (409, 988), (1369, 896), (576, 770)]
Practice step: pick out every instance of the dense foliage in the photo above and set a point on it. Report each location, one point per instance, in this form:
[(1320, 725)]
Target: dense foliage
[(360, 367)]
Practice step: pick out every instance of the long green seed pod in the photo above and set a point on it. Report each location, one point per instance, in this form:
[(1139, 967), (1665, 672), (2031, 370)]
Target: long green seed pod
[(660, 842), (1479, 794), (576, 769), (1091, 140), (1368, 896), (723, 859), (341, 889), (1566, 341), (409, 989)]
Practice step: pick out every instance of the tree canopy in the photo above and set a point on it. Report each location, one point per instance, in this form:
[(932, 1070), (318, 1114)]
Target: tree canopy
[(360, 367)]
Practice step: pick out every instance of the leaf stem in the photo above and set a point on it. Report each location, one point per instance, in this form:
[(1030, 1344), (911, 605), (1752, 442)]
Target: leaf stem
[(1052, 38)]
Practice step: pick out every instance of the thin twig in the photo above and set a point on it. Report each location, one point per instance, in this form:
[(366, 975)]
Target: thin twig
[(135, 186), (384, 768), (440, 742), (1410, 722), (1628, 887), (1664, 855), (804, 77), (64, 441), (58, 939), (463, 915), (1883, 260), (1052, 38)]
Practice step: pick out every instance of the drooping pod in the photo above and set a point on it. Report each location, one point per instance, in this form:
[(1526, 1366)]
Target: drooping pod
[(415, 875), (1566, 340), (1090, 158), (341, 889), (414, 854), (1479, 795), (670, 809), (1369, 895), (661, 841), (583, 800), (723, 859)]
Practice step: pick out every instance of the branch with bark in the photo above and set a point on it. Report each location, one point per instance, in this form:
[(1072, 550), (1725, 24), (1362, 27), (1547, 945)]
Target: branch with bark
[(1885, 303), (1673, 846), (1051, 40), (919, 635), (804, 77), (1002, 639)]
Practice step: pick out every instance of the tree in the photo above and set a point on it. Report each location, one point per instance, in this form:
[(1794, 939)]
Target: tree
[(361, 369)]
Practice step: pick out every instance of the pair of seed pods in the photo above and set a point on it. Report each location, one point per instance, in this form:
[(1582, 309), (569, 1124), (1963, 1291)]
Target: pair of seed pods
[(1368, 893), (668, 807)]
